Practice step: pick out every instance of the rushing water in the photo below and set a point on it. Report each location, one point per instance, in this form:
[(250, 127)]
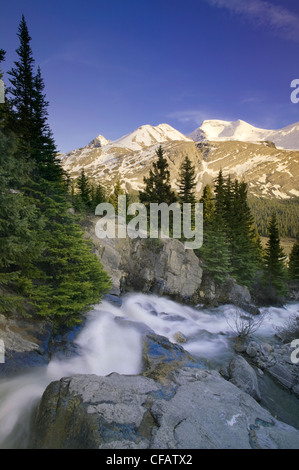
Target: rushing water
[(107, 344)]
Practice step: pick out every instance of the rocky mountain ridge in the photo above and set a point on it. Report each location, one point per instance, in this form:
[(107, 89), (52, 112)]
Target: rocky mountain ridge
[(269, 171)]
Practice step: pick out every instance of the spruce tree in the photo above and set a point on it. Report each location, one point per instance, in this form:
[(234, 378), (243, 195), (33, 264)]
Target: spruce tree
[(68, 278), (215, 251), (20, 225), (43, 148), (294, 262), (207, 201), (98, 195), (157, 184), (29, 114), (158, 188), (220, 197), (274, 259), (186, 182), (21, 92), (45, 260), (113, 198), (83, 191), (244, 243)]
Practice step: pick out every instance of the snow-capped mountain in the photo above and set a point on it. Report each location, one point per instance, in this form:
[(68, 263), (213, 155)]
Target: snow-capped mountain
[(239, 149), (147, 135), (99, 141), (217, 130)]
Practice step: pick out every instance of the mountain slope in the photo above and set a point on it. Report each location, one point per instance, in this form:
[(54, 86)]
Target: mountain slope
[(269, 171), (216, 130)]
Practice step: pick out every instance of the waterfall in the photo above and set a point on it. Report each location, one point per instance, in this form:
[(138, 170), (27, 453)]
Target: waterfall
[(111, 342)]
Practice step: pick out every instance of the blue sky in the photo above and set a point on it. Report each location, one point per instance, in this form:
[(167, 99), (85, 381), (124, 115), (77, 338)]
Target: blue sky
[(112, 66)]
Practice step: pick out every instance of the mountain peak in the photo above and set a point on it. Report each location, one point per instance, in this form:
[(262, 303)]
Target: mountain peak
[(218, 130), (147, 135), (98, 141)]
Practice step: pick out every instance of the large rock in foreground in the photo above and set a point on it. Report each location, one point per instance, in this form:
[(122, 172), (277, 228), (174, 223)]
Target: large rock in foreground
[(193, 409)]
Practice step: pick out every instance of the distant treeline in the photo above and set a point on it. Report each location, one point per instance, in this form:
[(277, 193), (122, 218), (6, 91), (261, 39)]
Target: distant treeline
[(287, 214)]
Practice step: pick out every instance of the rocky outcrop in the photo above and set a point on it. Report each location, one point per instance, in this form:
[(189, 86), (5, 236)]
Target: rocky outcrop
[(25, 342), (212, 294), (276, 361), (195, 409), (159, 266), (175, 403), (163, 267)]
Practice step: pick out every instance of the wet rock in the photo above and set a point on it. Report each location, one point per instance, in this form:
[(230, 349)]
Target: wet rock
[(26, 343), (160, 357), (276, 362), (243, 376), (180, 337), (197, 409)]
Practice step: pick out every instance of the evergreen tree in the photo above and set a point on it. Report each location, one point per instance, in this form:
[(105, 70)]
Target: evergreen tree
[(158, 188), (83, 199), (98, 195), (215, 251), (21, 91), (68, 277), (294, 262), (186, 182), (113, 198), (20, 224), (29, 113), (2, 56), (220, 197), (274, 259), (244, 243), (157, 184), (208, 203), (43, 148), (45, 261)]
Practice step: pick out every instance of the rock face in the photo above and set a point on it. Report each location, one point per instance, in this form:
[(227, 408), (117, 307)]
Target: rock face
[(228, 293), (25, 343), (193, 409), (276, 361), (243, 376), (160, 266)]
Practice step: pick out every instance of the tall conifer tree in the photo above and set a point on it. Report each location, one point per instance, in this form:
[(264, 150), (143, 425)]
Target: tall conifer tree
[(157, 184), (207, 201), (43, 254), (21, 92), (186, 182), (275, 269), (294, 262)]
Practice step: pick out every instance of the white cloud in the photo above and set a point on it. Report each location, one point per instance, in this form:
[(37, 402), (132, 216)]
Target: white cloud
[(196, 116), (261, 12)]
